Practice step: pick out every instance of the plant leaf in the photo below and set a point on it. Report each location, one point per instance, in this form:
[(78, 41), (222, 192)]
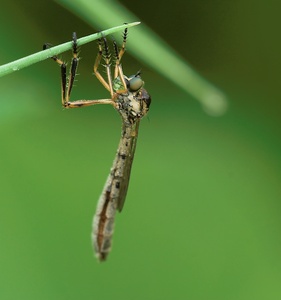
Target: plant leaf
[(39, 56)]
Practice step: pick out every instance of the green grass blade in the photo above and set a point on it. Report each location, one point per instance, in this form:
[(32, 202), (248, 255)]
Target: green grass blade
[(39, 56), (149, 47)]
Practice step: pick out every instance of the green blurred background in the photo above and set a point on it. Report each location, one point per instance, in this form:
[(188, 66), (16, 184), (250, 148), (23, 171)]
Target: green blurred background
[(202, 215)]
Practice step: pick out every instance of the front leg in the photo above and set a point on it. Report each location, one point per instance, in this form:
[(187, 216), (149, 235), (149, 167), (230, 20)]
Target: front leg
[(84, 103), (67, 83)]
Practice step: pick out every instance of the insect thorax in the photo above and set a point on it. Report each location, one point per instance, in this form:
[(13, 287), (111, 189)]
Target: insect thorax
[(132, 104)]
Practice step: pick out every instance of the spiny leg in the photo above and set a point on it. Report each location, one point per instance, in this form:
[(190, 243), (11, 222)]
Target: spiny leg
[(118, 71), (119, 53), (96, 65), (66, 87), (73, 69), (104, 54), (123, 48), (108, 86)]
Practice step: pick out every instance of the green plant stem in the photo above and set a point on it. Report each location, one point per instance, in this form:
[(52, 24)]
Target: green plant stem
[(42, 55)]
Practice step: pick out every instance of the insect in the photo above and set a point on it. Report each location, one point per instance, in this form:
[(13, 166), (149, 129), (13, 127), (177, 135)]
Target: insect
[(132, 102)]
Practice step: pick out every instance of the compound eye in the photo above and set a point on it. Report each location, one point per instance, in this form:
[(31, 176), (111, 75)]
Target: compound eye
[(135, 83)]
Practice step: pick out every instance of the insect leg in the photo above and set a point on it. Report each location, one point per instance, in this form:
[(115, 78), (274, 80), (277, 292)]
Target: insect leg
[(66, 85), (105, 54)]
